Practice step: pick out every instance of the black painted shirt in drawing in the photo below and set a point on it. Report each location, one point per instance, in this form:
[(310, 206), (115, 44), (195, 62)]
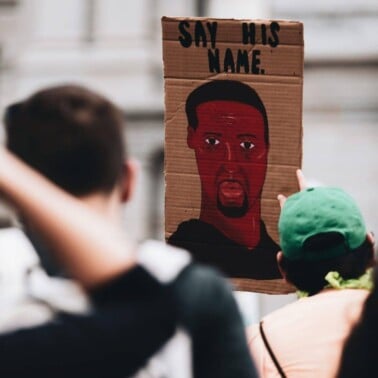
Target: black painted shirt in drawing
[(209, 246)]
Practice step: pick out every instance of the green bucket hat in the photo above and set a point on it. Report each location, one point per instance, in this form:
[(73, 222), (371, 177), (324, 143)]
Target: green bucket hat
[(317, 211)]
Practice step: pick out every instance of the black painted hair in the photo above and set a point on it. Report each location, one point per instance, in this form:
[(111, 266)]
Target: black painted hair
[(71, 135), (226, 90)]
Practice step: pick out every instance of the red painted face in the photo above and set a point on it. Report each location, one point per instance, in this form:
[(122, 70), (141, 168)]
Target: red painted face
[(231, 153)]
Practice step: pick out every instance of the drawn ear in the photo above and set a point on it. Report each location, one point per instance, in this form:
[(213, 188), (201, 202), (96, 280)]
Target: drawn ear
[(190, 137)]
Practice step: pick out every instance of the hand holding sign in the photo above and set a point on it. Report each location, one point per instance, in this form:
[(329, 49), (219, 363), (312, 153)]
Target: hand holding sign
[(302, 185)]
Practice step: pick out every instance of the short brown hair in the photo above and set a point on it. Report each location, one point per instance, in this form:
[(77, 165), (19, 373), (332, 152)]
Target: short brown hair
[(71, 135)]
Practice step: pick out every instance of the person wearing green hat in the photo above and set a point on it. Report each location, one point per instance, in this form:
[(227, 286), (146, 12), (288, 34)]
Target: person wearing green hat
[(325, 254)]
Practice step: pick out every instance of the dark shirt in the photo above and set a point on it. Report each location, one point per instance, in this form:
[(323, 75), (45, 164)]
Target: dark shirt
[(134, 316), (208, 311), (205, 308), (209, 246)]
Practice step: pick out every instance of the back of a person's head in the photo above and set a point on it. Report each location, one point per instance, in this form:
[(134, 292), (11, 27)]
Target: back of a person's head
[(71, 135), (321, 231)]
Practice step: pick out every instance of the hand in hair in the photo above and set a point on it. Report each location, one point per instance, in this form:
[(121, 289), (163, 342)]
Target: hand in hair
[(86, 245)]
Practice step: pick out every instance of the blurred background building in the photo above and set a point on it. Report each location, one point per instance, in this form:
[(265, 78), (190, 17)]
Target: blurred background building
[(114, 46)]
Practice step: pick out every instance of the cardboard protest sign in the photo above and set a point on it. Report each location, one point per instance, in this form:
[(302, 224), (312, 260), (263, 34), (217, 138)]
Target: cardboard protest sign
[(233, 98)]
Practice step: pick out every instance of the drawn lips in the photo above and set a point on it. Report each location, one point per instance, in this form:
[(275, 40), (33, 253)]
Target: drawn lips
[(231, 192)]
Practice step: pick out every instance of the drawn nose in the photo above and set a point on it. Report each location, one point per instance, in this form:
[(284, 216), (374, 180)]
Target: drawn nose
[(230, 159), (230, 154)]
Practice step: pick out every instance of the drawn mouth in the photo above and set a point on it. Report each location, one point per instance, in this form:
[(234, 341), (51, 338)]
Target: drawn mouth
[(231, 188), (231, 193)]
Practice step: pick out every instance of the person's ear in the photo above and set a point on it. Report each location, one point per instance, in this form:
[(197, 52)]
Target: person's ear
[(371, 240), (129, 174), (279, 258), (190, 137)]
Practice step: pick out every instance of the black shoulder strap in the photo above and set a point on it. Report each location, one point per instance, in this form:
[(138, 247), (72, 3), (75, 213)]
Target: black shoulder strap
[(270, 351)]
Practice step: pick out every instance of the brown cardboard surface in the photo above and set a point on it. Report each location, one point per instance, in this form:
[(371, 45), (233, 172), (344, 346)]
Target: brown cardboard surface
[(277, 78)]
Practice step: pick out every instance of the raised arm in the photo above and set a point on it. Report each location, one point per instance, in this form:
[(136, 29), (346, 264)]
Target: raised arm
[(89, 248), (134, 314)]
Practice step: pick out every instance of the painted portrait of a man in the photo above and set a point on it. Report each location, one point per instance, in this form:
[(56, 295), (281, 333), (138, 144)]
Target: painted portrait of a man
[(228, 131)]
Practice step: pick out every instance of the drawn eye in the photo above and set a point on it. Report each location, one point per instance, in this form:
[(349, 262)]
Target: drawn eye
[(246, 145), (212, 141)]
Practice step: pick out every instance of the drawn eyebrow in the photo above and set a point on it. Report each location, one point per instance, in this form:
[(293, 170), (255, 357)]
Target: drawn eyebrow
[(247, 135), (212, 134)]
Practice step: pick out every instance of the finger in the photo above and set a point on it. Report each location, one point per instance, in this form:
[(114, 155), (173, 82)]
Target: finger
[(301, 180), (281, 199)]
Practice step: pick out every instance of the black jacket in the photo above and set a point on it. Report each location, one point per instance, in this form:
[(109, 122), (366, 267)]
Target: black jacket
[(134, 316), (210, 246)]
